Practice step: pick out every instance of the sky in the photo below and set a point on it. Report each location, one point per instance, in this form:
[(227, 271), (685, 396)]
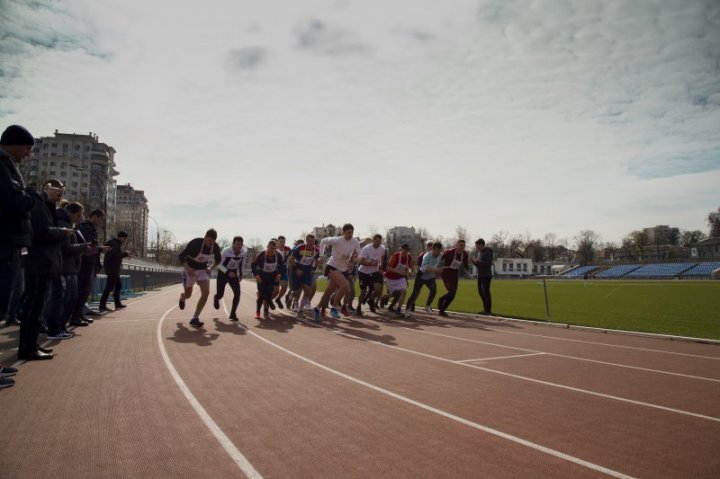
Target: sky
[(269, 118)]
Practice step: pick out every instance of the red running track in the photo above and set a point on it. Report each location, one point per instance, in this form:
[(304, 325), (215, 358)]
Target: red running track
[(140, 394)]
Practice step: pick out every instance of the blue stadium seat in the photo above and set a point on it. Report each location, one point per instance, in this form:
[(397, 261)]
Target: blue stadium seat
[(660, 270), (702, 270), (618, 271)]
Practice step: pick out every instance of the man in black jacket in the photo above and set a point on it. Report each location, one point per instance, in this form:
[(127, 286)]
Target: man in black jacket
[(15, 204), (64, 287), (484, 262), (112, 265), (89, 265), (42, 264)]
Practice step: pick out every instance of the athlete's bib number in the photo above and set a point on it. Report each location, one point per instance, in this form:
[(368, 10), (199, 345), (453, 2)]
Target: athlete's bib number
[(270, 267), (455, 264)]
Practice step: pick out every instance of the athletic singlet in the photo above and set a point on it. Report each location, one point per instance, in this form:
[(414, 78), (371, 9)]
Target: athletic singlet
[(232, 261)]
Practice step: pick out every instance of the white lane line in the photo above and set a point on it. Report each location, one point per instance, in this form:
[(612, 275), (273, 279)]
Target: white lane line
[(609, 345), (499, 357), (440, 412), (224, 441), (575, 358), (537, 381)]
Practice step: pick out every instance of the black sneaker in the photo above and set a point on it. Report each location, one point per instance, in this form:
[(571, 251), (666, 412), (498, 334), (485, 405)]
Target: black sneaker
[(181, 303), (59, 335), (11, 322), (8, 371), (216, 302), (383, 302), (358, 311), (196, 322), (279, 303), (372, 307), (272, 305), (233, 317), (443, 314), (6, 382)]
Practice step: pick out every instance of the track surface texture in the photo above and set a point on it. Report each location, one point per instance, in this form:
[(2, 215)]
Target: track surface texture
[(141, 393)]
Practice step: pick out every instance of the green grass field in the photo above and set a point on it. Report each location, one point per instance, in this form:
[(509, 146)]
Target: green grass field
[(683, 308)]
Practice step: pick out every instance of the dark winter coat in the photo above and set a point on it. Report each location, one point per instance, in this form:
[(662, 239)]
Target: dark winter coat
[(44, 257), (72, 248), (114, 256), (15, 204)]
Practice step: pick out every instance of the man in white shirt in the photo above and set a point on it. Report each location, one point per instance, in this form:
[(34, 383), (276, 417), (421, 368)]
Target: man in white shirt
[(345, 250), (371, 278)]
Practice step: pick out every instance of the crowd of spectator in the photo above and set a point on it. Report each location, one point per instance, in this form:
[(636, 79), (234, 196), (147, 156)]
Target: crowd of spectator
[(49, 256)]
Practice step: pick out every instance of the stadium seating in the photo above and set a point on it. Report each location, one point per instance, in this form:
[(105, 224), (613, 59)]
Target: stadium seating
[(660, 270), (578, 272), (702, 270), (617, 271)]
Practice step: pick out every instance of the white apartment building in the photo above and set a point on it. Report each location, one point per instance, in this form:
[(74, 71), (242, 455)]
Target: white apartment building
[(84, 164)]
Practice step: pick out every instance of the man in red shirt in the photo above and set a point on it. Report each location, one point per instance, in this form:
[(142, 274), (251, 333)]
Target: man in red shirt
[(452, 260), (398, 267)]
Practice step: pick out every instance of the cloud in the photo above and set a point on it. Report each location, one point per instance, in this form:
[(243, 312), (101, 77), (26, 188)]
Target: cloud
[(317, 36), (247, 58)]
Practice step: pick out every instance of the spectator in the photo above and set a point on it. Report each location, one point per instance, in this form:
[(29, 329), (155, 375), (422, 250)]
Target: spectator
[(16, 144), (42, 265), (72, 250), (113, 264), (484, 262), (89, 266)]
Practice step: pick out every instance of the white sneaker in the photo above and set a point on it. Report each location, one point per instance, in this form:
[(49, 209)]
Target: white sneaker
[(428, 309)]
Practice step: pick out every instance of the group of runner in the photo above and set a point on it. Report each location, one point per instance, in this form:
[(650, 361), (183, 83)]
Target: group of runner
[(284, 273)]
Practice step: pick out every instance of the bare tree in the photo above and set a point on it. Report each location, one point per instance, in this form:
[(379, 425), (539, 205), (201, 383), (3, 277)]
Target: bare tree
[(551, 244), (713, 221), (639, 240), (498, 242), (689, 237), (515, 246), (585, 243), (461, 233)]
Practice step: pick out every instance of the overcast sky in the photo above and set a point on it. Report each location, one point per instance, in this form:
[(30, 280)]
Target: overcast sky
[(267, 118)]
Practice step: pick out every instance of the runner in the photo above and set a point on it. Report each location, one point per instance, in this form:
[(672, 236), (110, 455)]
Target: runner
[(230, 273), (371, 278), (452, 259), (302, 262), (345, 249), (283, 251), (425, 276), (428, 249), (266, 268), (195, 259), (398, 266)]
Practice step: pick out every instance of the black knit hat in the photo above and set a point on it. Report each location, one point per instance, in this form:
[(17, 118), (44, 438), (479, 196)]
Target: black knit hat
[(17, 135)]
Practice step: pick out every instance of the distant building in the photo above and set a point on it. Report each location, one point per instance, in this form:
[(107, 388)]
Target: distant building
[(515, 267), (662, 234), (83, 163), (399, 235), (707, 249), (323, 231), (132, 217)]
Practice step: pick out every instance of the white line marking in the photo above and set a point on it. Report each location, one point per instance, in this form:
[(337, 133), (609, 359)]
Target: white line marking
[(224, 441), (499, 357), (489, 430), (597, 343), (537, 381), (596, 361)]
